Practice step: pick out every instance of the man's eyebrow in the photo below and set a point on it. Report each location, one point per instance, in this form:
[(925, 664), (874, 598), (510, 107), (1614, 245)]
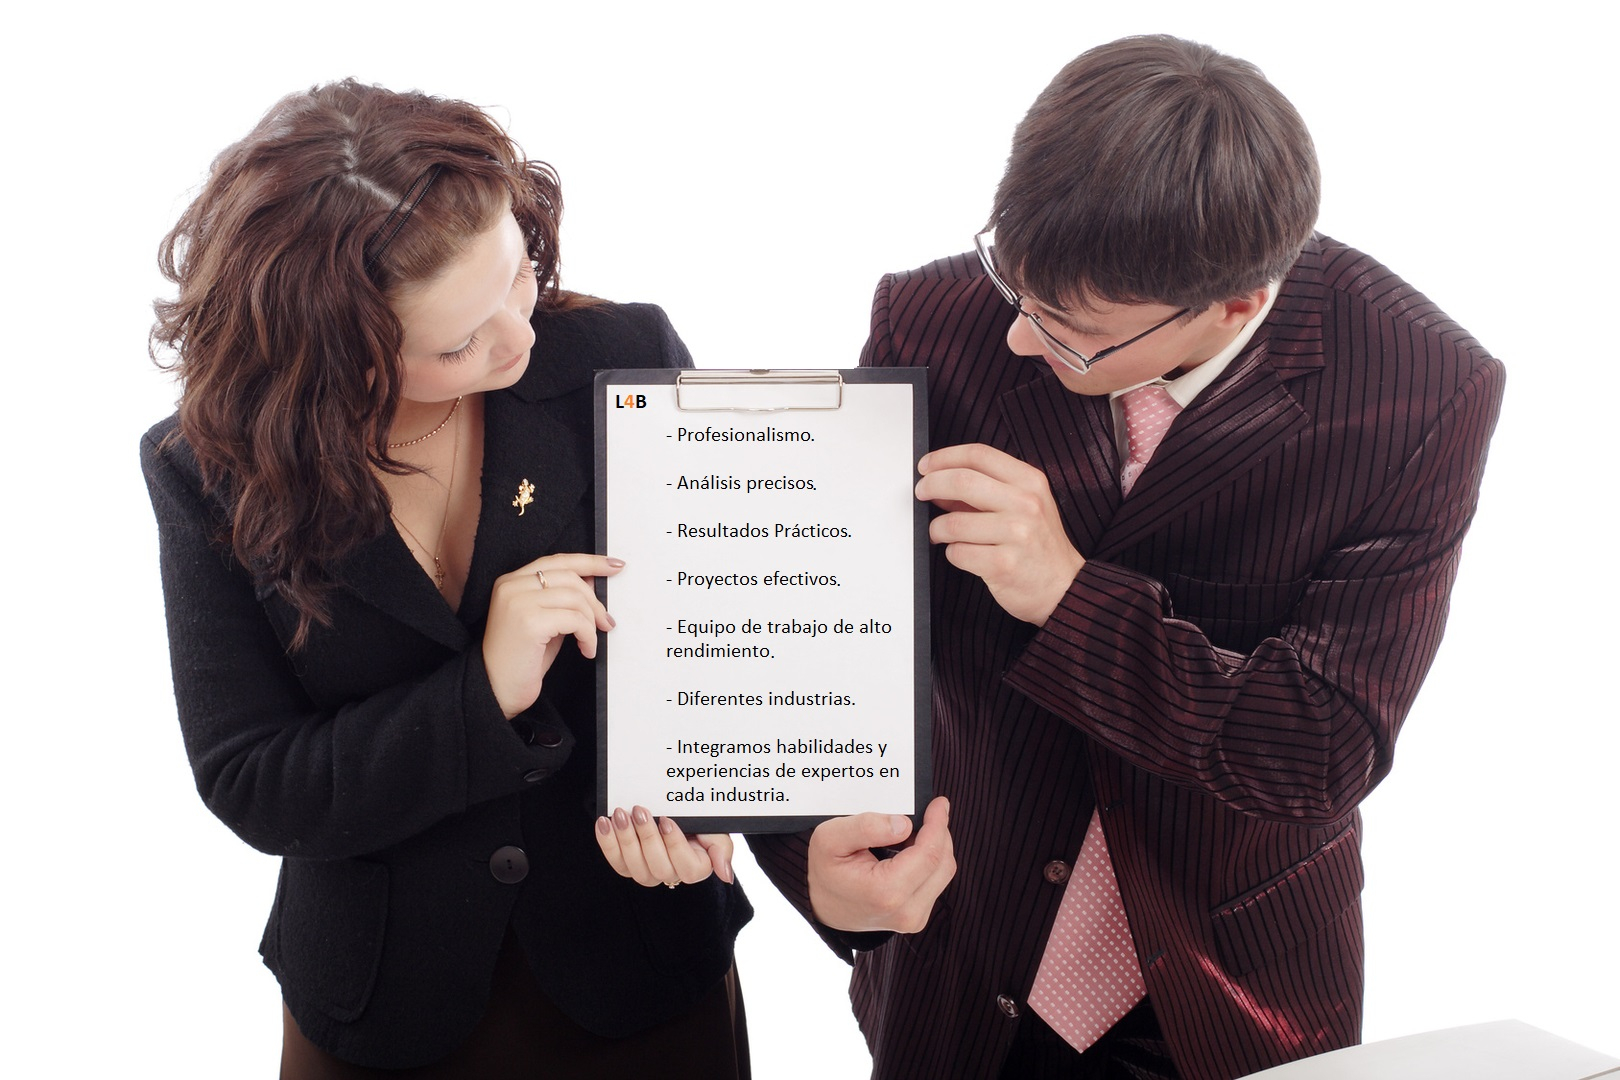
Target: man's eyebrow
[(1065, 320)]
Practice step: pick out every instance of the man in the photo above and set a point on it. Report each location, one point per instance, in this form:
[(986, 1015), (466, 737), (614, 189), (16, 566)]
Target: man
[(1193, 563)]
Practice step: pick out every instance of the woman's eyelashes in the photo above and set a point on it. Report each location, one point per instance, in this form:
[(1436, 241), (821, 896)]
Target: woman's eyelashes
[(462, 353)]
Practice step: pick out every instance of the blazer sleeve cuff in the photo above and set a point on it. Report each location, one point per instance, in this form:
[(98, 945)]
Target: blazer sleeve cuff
[(506, 756), (784, 858), (1105, 606)]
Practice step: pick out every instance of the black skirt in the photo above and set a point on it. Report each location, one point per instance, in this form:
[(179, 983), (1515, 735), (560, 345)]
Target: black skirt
[(523, 1036)]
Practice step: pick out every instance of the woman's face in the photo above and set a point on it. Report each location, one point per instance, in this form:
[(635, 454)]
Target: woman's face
[(467, 330)]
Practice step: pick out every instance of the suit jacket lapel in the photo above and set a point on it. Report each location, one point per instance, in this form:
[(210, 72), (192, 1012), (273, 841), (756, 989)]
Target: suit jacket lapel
[(385, 575), (1069, 437), (525, 441), (525, 445), (1247, 415), (1234, 426), (528, 442)]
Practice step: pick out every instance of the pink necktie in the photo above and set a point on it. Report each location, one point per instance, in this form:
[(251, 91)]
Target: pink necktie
[(1089, 978), (1149, 412)]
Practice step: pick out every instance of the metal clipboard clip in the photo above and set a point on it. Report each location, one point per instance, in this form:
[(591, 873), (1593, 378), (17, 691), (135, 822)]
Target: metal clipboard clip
[(759, 390)]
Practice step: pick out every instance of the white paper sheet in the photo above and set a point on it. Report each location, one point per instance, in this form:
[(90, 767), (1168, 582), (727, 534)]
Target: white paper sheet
[(765, 660)]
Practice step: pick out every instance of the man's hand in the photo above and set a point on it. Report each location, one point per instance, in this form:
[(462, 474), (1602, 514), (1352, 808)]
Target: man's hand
[(852, 889), (1001, 524)]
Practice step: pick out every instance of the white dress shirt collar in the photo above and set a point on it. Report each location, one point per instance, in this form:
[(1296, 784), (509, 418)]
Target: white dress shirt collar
[(1185, 388)]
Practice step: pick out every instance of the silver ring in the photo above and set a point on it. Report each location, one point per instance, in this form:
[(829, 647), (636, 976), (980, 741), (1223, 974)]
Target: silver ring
[(541, 574), (667, 885)]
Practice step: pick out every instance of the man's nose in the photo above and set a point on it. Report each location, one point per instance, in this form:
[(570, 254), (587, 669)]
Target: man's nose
[(1022, 338)]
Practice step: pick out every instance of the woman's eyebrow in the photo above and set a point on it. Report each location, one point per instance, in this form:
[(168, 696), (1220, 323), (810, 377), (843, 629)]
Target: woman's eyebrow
[(517, 276)]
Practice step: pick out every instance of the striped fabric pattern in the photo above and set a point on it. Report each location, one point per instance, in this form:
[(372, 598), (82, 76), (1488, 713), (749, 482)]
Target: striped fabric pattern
[(1223, 682)]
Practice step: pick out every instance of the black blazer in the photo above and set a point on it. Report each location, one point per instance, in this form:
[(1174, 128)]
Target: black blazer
[(1224, 680), (415, 821)]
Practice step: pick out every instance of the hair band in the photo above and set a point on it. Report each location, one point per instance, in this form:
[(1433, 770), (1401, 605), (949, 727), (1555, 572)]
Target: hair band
[(398, 216)]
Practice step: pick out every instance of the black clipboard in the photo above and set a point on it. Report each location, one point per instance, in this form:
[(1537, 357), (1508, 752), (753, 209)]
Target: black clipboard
[(744, 417)]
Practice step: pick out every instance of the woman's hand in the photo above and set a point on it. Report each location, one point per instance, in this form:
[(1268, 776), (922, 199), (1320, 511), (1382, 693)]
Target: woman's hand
[(532, 611), (653, 852)]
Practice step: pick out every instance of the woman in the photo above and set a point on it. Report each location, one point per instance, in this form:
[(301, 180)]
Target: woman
[(375, 509)]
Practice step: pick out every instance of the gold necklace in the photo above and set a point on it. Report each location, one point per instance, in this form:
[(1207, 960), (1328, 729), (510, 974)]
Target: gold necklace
[(449, 499), (454, 405)]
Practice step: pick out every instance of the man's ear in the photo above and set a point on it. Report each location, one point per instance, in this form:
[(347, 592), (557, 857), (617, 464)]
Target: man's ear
[(1234, 313)]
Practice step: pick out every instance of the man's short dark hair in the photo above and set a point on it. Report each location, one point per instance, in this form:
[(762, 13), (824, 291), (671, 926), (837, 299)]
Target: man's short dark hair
[(1155, 170)]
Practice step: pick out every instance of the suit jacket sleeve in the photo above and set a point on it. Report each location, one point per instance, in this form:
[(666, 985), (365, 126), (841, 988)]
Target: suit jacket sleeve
[(1304, 726), (286, 776)]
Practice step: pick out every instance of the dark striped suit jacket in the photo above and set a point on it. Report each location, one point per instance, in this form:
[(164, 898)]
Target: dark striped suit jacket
[(1224, 679)]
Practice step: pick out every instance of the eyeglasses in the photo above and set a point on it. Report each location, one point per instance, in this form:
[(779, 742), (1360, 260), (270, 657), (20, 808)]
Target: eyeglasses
[(1071, 358)]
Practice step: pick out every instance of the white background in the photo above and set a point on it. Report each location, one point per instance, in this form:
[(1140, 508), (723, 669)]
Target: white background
[(754, 168)]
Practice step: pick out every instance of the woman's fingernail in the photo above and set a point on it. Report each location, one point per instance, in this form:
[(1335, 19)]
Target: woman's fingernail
[(725, 872), (640, 816), (621, 819), (615, 563), (666, 826), (604, 827), (611, 621)]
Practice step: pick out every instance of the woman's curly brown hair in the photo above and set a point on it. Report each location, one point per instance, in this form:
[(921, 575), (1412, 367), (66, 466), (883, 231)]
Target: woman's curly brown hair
[(283, 339)]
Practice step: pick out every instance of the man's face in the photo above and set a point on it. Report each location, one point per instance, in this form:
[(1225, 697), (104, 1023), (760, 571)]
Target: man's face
[(1177, 347)]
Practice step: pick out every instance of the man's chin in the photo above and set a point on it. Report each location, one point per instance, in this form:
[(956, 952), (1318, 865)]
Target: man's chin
[(1088, 384)]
